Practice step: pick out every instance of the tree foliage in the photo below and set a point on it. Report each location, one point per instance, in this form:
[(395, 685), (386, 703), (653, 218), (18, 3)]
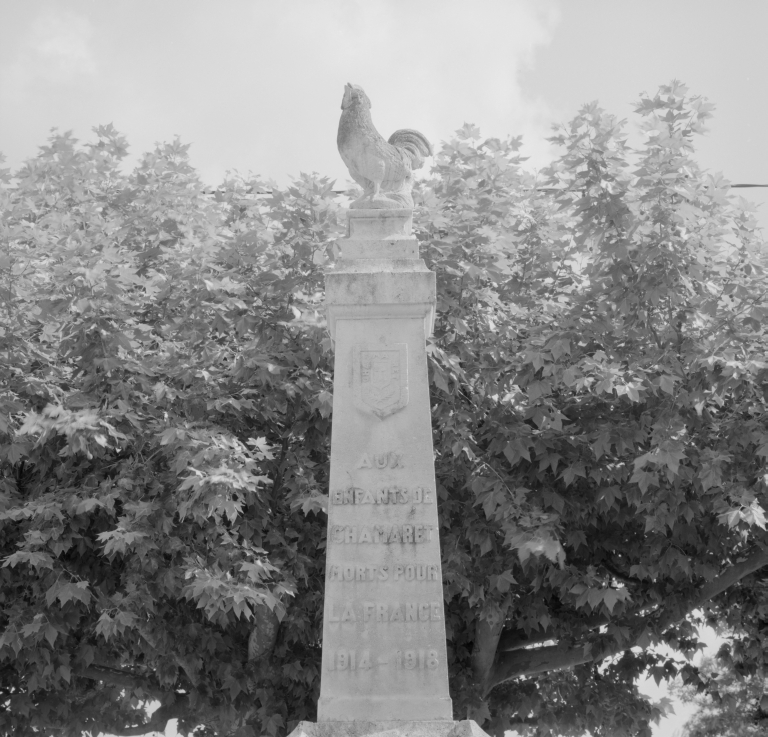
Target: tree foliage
[(731, 705), (599, 378)]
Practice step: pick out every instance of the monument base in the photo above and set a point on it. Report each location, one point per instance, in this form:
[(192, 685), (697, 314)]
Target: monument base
[(446, 728)]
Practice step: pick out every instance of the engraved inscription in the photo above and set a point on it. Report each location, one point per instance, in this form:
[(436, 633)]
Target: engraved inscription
[(347, 614), (343, 659), (411, 611), (410, 572), (346, 659), (386, 534), (385, 495), (413, 659), (381, 460), (386, 612)]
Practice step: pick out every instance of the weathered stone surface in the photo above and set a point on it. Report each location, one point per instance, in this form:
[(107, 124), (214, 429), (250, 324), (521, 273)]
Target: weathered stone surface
[(374, 279), (466, 728), (381, 225), (379, 234), (384, 655), (396, 249)]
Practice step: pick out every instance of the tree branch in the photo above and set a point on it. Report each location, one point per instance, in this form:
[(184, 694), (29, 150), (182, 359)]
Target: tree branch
[(718, 585), (180, 707), (514, 639), (614, 571), (115, 676), (485, 647), (521, 662)]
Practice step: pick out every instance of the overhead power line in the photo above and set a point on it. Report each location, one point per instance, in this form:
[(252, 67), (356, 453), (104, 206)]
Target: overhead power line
[(269, 193)]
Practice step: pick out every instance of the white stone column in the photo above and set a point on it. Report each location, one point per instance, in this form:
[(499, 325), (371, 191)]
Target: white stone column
[(384, 653)]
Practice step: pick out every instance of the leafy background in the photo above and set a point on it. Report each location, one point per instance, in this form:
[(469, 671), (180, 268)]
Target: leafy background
[(598, 380)]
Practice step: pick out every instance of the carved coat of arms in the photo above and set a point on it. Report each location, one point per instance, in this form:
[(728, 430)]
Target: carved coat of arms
[(381, 377)]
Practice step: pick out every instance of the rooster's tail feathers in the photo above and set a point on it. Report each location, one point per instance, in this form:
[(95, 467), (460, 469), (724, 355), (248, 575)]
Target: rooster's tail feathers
[(414, 143)]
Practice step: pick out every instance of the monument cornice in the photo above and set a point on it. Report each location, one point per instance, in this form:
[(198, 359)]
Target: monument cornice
[(381, 311)]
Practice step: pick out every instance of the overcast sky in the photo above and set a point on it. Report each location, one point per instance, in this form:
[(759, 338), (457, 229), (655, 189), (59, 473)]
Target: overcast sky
[(255, 85)]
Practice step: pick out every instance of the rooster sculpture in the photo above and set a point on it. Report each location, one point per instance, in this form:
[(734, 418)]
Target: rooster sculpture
[(384, 169)]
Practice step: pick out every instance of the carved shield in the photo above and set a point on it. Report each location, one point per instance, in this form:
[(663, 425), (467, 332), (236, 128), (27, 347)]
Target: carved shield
[(381, 377)]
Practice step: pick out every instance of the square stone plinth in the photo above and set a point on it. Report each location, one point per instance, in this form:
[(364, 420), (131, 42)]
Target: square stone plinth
[(438, 728), (379, 225)]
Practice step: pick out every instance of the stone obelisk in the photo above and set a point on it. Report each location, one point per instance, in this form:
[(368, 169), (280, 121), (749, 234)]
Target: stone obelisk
[(384, 655), (384, 665)]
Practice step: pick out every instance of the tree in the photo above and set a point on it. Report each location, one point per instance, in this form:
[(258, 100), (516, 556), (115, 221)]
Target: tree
[(599, 385), (729, 688), (608, 426), (731, 706), (153, 537)]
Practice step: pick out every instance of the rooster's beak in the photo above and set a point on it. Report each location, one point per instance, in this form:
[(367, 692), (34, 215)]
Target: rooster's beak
[(346, 101)]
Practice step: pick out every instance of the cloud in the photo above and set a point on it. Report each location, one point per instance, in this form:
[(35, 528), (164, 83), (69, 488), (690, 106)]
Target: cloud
[(48, 75), (431, 65), (256, 84), (56, 49)]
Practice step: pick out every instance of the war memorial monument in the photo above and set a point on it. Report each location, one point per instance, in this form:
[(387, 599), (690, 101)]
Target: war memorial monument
[(384, 663)]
